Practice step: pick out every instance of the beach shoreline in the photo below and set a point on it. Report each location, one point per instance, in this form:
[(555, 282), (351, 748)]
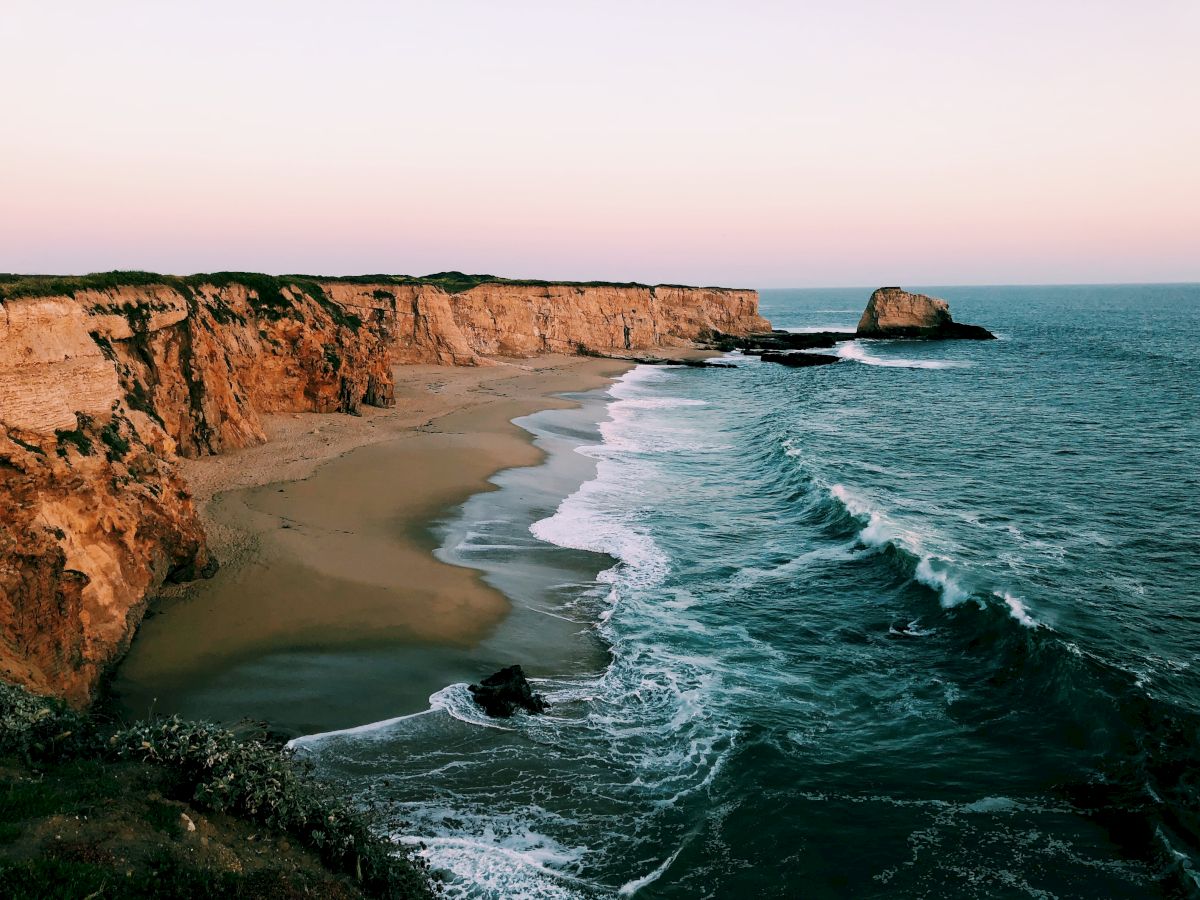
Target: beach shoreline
[(325, 533)]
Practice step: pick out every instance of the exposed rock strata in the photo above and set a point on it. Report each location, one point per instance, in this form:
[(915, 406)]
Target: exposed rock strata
[(104, 380), (895, 313), (92, 518)]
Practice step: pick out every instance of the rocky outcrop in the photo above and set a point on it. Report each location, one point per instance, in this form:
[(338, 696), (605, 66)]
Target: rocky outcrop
[(895, 313), (799, 360), (92, 518), (430, 324), (777, 341), (518, 320), (105, 379), (503, 693), (99, 389)]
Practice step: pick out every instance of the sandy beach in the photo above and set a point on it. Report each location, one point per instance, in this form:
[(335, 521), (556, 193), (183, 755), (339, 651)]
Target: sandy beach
[(323, 532)]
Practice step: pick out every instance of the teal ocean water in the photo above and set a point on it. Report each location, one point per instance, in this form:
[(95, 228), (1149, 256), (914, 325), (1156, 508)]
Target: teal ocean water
[(922, 623)]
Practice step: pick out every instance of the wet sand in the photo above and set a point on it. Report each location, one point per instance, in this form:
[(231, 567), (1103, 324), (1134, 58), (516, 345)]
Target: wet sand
[(323, 534)]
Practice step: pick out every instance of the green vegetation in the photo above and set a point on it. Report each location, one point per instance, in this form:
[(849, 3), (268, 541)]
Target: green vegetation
[(582, 349), (267, 295), (32, 448), (116, 443), (13, 287), (195, 763), (270, 300), (75, 437), (164, 877), (138, 316), (138, 399)]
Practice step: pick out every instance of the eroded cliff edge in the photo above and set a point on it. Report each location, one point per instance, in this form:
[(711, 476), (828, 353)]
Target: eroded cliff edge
[(105, 379)]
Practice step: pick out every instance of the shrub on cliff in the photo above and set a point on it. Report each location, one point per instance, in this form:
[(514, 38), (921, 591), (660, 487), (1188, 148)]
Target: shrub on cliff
[(252, 779), (33, 727), (216, 770)]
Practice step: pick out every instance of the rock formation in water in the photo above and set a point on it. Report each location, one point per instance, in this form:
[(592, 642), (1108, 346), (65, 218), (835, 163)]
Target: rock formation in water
[(778, 341), (503, 693), (895, 313), (799, 360), (105, 379)]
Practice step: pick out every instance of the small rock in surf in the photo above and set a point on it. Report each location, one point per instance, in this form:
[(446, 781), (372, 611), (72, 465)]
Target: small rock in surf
[(503, 693)]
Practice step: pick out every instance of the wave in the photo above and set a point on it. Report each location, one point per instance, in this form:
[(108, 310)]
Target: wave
[(949, 579), (629, 888), (508, 859), (454, 700), (371, 729), (857, 352)]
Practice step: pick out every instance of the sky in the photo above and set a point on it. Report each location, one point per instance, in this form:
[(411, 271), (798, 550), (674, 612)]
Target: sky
[(758, 144)]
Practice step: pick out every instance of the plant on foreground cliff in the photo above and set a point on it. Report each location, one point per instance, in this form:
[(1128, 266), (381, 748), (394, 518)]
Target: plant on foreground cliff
[(34, 727), (252, 779), (219, 771)]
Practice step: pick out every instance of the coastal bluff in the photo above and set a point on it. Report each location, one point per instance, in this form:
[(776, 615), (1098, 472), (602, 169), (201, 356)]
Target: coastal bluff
[(895, 313), (105, 380)]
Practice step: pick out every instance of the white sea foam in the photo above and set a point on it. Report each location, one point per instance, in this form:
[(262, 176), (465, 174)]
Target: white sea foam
[(993, 805), (857, 352), (629, 888), (879, 529), (369, 730), (933, 570), (1017, 609), (936, 572), (660, 402), (454, 700), (506, 859)]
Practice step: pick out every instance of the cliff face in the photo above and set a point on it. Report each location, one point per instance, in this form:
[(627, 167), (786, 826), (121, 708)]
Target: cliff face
[(515, 320), (92, 519), (895, 313), (98, 392), (103, 383), (430, 325)]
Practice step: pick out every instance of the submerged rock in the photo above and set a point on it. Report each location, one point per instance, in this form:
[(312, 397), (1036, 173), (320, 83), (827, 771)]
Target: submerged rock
[(503, 693), (800, 360), (895, 313)]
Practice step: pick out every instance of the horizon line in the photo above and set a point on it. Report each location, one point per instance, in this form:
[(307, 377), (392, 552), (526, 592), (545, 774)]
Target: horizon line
[(698, 284)]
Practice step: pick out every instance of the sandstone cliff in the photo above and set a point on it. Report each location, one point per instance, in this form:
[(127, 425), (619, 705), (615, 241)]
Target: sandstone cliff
[(99, 388), (105, 379), (895, 313), (499, 318)]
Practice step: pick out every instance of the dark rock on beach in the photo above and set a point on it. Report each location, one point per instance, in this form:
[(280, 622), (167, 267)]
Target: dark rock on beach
[(895, 313), (503, 693), (800, 360)]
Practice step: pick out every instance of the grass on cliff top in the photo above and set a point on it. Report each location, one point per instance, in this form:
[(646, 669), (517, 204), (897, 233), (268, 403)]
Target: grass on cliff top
[(268, 297), (268, 287)]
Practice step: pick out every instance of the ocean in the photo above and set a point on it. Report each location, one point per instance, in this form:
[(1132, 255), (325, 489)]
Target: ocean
[(925, 623)]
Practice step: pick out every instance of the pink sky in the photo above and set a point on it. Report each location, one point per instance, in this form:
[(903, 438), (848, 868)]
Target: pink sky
[(745, 143)]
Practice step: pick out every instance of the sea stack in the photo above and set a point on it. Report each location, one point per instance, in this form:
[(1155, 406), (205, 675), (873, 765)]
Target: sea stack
[(895, 313)]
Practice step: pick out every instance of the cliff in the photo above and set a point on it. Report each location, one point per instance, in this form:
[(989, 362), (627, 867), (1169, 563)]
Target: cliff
[(895, 313), (433, 324), (105, 379)]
